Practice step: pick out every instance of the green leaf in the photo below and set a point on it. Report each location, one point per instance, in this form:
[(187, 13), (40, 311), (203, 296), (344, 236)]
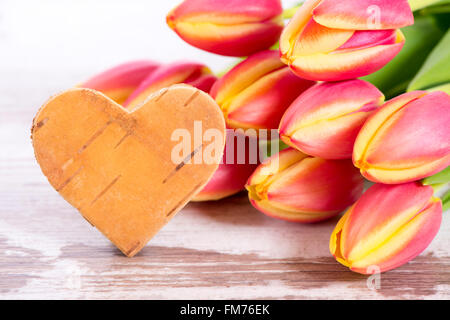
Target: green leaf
[(435, 71), (442, 177), (420, 4), (421, 38), (444, 87), (446, 201)]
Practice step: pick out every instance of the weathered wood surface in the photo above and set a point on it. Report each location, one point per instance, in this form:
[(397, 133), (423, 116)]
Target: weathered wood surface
[(211, 250)]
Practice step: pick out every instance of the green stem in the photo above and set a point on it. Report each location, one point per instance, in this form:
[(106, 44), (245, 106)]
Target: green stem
[(446, 201), (442, 177), (438, 182), (438, 187), (420, 4)]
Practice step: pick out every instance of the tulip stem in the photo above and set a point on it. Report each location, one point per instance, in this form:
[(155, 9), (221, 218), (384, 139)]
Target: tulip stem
[(440, 178), (420, 4), (437, 187), (446, 201)]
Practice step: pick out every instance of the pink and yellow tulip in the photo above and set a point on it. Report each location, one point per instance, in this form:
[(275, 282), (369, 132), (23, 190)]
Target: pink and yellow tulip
[(120, 82), (295, 187), (234, 171), (256, 93), (333, 40), (387, 227), (195, 74), (325, 120), (406, 140), (228, 27)]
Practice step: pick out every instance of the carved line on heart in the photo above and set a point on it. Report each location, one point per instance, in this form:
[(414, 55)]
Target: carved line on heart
[(82, 137)]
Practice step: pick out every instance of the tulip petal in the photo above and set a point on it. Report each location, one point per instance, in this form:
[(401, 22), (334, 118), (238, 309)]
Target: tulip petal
[(390, 208), (336, 238), (119, 82), (228, 27), (270, 210), (203, 82), (316, 38), (422, 37), (263, 104), (325, 120), (294, 28), (407, 243), (226, 12), (372, 125), (364, 14), (256, 93), (294, 187), (279, 162), (238, 164), (228, 180), (245, 74), (164, 77), (342, 65), (301, 186), (370, 38), (232, 40), (394, 152)]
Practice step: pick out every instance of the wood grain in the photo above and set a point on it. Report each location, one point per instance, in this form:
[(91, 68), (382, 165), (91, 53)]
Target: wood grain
[(223, 249)]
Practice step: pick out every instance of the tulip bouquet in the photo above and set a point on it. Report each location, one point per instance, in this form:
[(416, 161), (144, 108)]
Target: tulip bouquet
[(348, 103)]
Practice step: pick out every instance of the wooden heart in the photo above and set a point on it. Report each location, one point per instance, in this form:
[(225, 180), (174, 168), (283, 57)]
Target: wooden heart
[(115, 166)]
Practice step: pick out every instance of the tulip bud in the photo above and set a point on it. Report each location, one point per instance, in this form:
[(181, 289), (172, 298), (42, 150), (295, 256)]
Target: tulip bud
[(119, 82), (237, 166), (387, 227), (292, 186), (256, 93), (406, 140), (194, 74), (325, 120), (333, 40), (228, 27), (423, 36)]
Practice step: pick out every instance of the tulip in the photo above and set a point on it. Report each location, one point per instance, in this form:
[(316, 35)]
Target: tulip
[(395, 77), (387, 227), (256, 93), (333, 40), (228, 27), (119, 82), (236, 167), (195, 74), (295, 187), (406, 140), (325, 120)]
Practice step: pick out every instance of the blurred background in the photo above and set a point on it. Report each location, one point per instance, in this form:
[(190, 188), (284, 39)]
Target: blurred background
[(66, 41)]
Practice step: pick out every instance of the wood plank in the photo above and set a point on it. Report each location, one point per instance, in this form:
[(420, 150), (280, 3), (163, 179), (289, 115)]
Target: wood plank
[(223, 249)]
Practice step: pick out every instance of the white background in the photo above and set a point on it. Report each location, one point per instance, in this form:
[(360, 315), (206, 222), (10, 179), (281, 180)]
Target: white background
[(86, 36)]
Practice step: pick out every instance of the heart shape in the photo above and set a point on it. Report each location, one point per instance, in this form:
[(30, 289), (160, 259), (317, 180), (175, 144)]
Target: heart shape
[(115, 166)]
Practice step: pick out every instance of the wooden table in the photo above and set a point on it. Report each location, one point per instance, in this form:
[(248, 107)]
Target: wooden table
[(221, 250)]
